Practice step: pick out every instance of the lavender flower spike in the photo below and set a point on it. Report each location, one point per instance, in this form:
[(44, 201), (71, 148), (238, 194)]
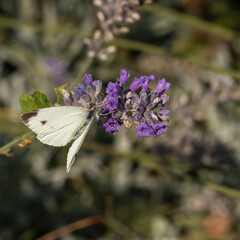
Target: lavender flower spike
[(144, 107)]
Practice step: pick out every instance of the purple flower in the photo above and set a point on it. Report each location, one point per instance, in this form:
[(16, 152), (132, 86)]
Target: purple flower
[(88, 79), (135, 84), (124, 76), (145, 81), (144, 130), (112, 89), (162, 86), (79, 89), (158, 129), (112, 103), (111, 125), (164, 112)]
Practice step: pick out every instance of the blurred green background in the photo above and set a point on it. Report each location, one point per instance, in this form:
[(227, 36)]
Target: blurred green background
[(183, 185)]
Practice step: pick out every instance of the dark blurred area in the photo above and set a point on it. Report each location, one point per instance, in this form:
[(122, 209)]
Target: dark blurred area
[(183, 185)]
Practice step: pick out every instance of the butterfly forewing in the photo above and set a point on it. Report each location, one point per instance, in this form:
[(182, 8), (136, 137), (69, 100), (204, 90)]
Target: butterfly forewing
[(57, 126)]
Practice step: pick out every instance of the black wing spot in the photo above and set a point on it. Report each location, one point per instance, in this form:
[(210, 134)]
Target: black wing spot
[(25, 117), (43, 122)]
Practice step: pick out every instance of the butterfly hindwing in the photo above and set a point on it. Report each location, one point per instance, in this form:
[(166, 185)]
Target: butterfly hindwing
[(73, 150), (57, 126)]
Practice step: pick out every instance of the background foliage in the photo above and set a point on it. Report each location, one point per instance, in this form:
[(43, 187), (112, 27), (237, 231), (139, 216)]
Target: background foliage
[(183, 185)]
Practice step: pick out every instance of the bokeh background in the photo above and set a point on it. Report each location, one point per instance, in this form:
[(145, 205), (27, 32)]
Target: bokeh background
[(183, 185)]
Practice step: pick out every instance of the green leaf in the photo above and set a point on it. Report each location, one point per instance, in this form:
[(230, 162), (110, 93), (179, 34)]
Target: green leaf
[(58, 91), (35, 101)]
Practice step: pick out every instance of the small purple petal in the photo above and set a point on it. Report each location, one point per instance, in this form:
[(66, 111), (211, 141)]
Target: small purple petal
[(164, 112), (144, 130), (112, 103), (159, 129), (145, 81), (135, 84), (111, 125), (112, 89), (79, 89), (88, 79), (151, 77), (162, 86), (124, 77)]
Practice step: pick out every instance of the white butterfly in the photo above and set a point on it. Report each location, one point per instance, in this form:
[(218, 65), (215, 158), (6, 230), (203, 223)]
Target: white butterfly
[(57, 126)]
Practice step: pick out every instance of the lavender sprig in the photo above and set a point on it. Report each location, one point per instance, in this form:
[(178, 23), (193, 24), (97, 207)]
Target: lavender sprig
[(114, 16), (138, 104)]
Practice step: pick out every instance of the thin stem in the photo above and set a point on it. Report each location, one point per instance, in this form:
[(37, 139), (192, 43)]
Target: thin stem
[(156, 50), (72, 227), (223, 189), (191, 21), (14, 142), (15, 23)]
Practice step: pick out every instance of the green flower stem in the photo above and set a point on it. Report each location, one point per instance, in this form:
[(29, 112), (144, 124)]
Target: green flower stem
[(16, 24), (156, 50), (6, 148), (223, 189), (191, 21)]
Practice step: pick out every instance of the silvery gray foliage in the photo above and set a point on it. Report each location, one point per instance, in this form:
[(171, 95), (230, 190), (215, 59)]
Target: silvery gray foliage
[(113, 17)]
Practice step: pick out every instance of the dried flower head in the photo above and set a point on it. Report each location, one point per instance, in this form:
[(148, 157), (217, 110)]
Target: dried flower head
[(114, 17)]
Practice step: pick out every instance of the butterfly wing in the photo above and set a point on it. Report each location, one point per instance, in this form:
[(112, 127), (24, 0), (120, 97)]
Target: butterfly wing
[(57, 126), (73, 150)]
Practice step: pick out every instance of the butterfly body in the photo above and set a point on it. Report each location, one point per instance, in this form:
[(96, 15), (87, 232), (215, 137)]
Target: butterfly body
[(57, 126)]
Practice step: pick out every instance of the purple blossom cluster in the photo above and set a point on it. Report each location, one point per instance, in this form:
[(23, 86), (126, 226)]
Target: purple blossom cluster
[(138, 104)]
